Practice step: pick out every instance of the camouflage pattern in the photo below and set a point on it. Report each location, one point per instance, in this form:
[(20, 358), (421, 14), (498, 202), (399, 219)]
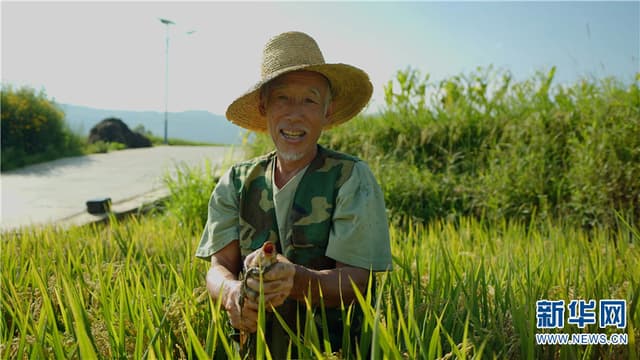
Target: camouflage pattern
[(311, 213), (310, 219)]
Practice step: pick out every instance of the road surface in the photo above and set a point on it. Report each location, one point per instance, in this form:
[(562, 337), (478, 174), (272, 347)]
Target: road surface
[(57, 191)]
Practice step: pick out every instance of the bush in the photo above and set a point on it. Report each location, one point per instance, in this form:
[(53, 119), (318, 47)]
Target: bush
[(101, 147), (33, 129), (486, 146), (494, 148), (190, 189)]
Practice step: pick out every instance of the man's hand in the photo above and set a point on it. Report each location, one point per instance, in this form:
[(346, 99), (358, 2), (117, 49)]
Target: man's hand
[(245, 318), (223, 285), (277, 283)]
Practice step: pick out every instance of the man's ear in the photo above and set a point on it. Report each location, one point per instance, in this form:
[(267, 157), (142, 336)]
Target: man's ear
[(328, 113), (262, 108)]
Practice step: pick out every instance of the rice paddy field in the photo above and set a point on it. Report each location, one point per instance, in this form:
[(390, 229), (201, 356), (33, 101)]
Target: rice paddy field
[(512, 205), (132, 289)]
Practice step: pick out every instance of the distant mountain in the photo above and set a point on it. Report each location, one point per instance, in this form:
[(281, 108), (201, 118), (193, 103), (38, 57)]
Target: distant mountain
[(201, 126)]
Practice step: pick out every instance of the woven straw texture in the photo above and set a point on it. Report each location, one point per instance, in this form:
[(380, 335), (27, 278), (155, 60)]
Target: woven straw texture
[(351, 88)]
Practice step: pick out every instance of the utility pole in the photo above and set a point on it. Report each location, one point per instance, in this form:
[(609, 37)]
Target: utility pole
[(166, 80)]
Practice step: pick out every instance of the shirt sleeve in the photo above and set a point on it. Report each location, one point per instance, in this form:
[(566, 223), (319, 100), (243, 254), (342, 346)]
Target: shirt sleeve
[(223, 224), (360, 233)]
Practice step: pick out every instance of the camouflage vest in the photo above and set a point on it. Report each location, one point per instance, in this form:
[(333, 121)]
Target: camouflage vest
[(310, 218), (310, 215)]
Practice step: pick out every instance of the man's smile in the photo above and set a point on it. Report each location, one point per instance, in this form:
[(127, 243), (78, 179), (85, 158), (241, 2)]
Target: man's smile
[(293, 135)]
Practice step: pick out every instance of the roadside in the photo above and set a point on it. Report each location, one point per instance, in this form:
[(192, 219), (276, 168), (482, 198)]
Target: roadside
[(57, 191)]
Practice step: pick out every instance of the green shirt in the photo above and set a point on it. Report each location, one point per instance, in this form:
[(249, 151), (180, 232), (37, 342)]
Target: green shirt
[(359, 234)]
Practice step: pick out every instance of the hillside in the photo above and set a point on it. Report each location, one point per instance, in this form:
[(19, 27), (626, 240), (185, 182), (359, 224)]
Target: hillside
[(200, 126)]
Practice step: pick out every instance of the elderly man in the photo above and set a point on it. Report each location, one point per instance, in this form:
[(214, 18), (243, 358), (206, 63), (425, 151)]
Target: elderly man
[(323, 210)]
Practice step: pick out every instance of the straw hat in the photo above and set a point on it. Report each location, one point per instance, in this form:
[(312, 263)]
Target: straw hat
[(291, 51)]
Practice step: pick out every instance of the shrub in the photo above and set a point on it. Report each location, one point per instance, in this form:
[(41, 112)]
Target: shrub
[(190, 189), (498, 148), (485, 145), (33, 129), (102, 147)]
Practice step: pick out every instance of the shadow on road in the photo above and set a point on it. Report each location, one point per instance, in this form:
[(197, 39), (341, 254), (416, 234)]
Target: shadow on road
[(51, 167)]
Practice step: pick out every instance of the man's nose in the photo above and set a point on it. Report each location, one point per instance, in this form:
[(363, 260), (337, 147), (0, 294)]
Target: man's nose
[(295, 110)]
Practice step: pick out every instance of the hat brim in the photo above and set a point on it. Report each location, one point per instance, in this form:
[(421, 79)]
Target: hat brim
[(350, 86)]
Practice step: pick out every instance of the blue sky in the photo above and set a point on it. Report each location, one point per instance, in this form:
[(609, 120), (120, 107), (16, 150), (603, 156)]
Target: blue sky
[(111, 55)]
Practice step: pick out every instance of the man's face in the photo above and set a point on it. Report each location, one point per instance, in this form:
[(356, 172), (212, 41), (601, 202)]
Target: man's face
[(296, 111)]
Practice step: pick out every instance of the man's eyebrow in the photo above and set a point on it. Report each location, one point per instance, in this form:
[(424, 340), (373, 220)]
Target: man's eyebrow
[(313, 90)]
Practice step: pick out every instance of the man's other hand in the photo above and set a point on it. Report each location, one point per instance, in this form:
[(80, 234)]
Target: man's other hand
[(277, 283)]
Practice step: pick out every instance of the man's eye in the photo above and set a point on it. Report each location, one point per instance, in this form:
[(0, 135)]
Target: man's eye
[(282, 97), (310, 101)]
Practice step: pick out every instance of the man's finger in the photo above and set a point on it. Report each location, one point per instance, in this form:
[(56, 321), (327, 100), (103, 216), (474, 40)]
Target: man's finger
[(247, 321), (248, 325), (251, 305), (248, 260), (268, 287), (280, 271), (274, 301), (251, 293)]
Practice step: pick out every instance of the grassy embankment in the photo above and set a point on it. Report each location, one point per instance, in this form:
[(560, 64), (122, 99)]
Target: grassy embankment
[(527, 197)]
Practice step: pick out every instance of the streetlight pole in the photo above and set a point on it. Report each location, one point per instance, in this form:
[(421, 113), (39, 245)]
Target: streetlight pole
[(166, 79)]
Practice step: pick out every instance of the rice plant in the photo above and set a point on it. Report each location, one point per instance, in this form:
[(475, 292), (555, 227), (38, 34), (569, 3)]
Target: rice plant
[(132, 289)]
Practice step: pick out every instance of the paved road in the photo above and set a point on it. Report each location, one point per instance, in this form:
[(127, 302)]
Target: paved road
[(57, 190)]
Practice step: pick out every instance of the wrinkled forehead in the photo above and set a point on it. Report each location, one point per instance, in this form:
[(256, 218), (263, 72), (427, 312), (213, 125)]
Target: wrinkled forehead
[(314, 80)]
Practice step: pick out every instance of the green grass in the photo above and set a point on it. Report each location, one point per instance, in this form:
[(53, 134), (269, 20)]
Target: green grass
[(105, 147), (101, 147), (190, 189), (488, 146), (469, 289), (157, 140)]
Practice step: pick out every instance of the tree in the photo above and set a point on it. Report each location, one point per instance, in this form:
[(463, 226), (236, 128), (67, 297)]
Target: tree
[(33, 129)]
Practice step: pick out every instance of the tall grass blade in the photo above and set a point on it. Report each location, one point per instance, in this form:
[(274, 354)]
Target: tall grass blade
[(82, 327)]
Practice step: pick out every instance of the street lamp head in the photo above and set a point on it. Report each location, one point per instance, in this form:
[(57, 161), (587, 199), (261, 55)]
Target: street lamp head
[(167, 22)]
